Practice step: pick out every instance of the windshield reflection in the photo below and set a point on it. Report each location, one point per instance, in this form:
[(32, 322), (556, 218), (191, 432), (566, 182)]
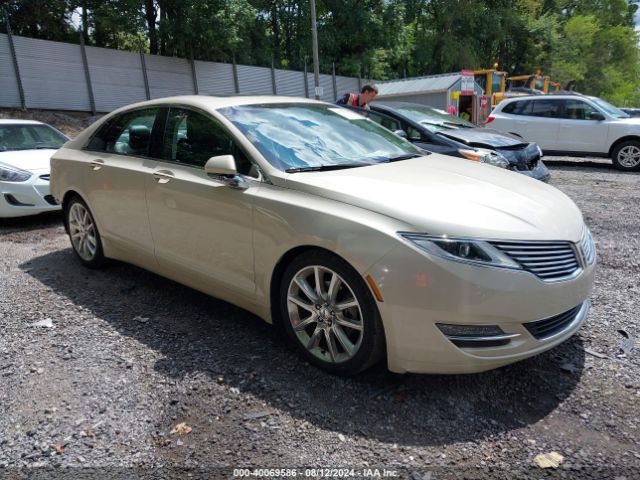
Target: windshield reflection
[(295, 136)]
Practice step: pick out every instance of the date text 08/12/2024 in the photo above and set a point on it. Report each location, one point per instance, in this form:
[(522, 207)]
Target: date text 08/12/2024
[(315, 473)]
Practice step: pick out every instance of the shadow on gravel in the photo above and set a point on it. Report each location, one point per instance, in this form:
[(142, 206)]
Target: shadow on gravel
[(199, 335), (31, 223)]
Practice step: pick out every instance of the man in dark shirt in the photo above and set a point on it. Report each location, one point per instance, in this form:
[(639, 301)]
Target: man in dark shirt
[(366, 96)]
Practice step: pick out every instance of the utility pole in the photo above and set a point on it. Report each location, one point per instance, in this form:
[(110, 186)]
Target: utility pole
[(314, 38)]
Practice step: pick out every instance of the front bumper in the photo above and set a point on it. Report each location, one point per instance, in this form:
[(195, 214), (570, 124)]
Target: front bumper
[(539, 172), (20, 199), (420, 292)]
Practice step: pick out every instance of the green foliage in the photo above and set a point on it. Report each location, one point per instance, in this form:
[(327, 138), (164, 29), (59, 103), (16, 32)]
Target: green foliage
[(592, 42)]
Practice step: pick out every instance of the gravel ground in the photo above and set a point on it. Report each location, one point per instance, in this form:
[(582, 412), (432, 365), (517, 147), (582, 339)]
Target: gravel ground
[(128, 356)]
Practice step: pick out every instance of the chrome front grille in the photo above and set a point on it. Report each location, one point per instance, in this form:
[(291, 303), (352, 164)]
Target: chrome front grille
[(549, 261), (588, 247)]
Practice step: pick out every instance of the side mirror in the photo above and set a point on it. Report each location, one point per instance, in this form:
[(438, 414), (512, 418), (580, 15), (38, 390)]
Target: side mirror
[(221, 165), (400, 133), (596, 116), (225, 166)]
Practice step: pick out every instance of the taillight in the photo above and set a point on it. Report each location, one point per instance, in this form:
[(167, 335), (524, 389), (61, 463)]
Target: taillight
[(490, 119)]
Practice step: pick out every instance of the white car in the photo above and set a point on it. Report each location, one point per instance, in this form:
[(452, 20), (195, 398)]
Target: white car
[(572, 124), (26, 147), (358, 244)]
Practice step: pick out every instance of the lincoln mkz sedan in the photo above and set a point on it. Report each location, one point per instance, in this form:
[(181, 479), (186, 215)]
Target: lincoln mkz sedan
[(357, 244)]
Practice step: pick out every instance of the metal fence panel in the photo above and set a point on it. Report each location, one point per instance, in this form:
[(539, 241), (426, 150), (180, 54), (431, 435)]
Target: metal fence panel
[(255, 80), (116, 78), (53, 77), (290, 83), (346, 85), (52, 74), (168, 76), (9, 93), (215, 78), (326, 82)]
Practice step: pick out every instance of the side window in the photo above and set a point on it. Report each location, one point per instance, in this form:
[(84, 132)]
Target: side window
[(415, 134), (545, 108), (192, 138), (387, 122), (126, 134), (577, 110)]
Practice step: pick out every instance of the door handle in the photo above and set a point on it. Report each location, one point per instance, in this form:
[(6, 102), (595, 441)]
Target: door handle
[(97, 164), (163, 176)]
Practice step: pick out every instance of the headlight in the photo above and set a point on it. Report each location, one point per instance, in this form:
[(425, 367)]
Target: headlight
[(484, 155), (464, 250), (13, 175)]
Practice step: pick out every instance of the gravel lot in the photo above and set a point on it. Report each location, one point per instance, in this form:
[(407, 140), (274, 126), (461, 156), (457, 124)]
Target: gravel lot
[(130, 355)]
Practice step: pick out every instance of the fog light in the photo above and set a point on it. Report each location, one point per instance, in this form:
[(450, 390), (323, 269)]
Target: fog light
[(454, 330)]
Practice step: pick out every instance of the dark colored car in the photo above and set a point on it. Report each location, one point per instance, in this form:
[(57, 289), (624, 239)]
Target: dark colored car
[(439, 132), (632, 112)]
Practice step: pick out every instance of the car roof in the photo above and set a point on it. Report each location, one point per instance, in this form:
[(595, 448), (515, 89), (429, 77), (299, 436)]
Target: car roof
[(216, 102), (561, 96), (19, 121), (391, 105)]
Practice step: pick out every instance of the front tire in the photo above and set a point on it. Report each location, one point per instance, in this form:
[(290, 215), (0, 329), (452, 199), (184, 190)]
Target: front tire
[(329, 314), (83, 233), (626, 156)]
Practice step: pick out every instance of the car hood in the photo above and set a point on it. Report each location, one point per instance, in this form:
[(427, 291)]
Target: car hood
[(483, 136), (30, 160), (443, 195), (635, 121)]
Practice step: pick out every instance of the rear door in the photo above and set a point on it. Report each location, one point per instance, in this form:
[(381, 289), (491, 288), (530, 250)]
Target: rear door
[(537, 121), (119, 157), (578, 133)]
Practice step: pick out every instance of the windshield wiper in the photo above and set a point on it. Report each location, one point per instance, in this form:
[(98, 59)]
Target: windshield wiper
[(406, 156), (325, 168), (49, 147)]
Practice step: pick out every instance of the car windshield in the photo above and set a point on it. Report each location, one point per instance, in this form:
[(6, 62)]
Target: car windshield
[(29, 137), (609, 109), (299, 137), (432, 118)]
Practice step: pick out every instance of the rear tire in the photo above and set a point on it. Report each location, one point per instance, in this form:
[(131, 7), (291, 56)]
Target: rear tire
[(329, 314), (626, 156), (83, 233)]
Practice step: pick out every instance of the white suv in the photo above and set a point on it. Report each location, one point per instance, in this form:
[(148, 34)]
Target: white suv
[(572, 124)]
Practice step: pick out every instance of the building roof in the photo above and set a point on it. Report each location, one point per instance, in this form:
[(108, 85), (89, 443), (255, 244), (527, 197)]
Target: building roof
[(427, 84)]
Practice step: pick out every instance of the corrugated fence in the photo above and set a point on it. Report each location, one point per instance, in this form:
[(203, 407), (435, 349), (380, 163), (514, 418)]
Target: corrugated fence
[(65, 76)]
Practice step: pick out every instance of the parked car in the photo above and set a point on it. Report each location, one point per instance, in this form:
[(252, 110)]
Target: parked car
[(440, 132), (25, 149), (632, 112), (357, 243), (573, 124)]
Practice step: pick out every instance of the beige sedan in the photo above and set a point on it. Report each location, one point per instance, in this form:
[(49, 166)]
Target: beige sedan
[(358, 244)]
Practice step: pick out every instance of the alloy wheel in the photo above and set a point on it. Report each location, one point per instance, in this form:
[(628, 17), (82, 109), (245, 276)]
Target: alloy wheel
[(325, 314), (629, 156), (82, 231)]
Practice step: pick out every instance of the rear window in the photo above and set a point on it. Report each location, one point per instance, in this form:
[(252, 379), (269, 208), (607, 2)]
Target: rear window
[(536, 108), (521, 107), (545, 108)]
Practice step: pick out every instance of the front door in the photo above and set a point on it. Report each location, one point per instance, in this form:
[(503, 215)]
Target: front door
[(202, 228), (577, 132)]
